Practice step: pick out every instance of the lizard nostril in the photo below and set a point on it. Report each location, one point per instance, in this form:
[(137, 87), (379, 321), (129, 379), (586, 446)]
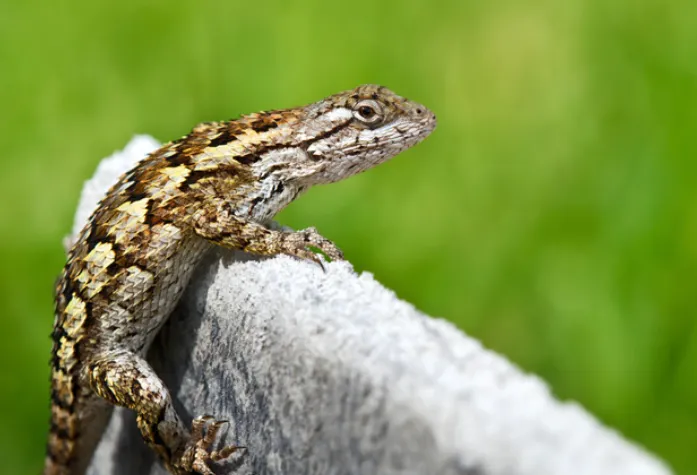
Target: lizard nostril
[(419, 111)]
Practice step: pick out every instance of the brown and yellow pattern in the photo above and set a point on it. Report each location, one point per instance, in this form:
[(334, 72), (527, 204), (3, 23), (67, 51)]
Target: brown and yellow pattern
[(219, 185)]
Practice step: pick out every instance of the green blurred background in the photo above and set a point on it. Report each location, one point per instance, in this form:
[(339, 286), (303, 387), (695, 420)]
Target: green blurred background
[(553, 213)]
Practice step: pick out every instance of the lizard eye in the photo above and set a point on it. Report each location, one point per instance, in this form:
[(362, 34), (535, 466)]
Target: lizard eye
[(367, 111)]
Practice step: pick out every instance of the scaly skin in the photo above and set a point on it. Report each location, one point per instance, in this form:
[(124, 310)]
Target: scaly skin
[(219, 185)]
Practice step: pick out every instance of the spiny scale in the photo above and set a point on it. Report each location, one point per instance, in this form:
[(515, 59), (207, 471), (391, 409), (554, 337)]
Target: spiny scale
[(219, 185)]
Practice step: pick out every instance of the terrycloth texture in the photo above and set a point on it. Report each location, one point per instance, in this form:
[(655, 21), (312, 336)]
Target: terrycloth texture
[(329, 373)]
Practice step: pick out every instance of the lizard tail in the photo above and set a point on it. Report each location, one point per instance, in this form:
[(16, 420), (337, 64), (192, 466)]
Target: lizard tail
[(77, 418), (61, 448), (77, 424)]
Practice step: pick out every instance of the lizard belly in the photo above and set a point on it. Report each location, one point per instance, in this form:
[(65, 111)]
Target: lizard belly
[(147, 293)]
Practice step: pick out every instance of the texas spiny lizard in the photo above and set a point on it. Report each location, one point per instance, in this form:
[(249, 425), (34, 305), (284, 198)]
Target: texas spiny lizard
[(219, 185)]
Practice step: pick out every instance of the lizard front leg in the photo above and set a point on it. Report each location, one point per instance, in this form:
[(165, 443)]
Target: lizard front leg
[(227, 230), (125, 379)]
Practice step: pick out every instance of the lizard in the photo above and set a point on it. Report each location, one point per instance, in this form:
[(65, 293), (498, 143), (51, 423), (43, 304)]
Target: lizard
[(219, 185)]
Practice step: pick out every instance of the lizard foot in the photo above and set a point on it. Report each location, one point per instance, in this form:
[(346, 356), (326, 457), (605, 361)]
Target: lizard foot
[(299, 244), (198, 454)]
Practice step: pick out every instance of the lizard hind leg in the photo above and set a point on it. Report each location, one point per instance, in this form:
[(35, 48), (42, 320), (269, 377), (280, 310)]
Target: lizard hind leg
[(126, 379)]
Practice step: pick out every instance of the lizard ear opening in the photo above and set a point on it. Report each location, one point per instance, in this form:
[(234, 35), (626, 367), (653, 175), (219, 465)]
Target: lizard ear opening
[(368, 111)]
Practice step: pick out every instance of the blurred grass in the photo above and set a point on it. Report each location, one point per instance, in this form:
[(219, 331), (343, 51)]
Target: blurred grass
[(553, 214)]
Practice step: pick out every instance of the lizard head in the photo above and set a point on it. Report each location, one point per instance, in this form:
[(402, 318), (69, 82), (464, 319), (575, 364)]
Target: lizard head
[(355, 130)]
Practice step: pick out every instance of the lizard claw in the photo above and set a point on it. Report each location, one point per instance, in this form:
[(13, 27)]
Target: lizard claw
[(313, 238), (198, 453), (308, 255), (300, 244)]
